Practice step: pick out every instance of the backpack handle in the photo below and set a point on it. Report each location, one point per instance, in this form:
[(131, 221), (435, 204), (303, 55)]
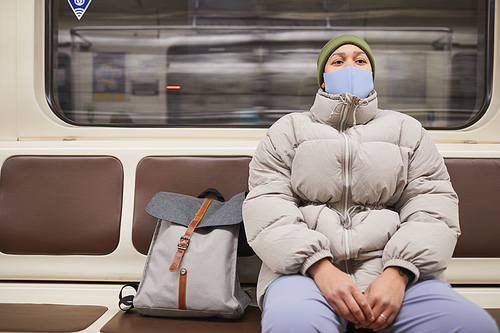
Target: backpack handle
[(211, 190)]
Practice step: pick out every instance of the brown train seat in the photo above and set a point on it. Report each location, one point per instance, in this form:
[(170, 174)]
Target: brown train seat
[(58, 206)]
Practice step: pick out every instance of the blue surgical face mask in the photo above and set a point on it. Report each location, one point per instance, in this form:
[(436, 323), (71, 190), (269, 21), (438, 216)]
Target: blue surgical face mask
[(353, 80)]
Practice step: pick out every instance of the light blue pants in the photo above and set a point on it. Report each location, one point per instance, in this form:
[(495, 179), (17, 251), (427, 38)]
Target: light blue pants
[(293, 303)]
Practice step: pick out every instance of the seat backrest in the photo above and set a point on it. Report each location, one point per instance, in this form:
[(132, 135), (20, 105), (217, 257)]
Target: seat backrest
[(184, 175), (60, 205), (477, 183)]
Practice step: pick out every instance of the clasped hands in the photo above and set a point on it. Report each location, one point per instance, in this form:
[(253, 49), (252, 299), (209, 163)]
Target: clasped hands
[(375, 309)]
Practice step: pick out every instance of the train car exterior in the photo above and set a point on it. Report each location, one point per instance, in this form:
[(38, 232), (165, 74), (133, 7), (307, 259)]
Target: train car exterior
[(96, 109)]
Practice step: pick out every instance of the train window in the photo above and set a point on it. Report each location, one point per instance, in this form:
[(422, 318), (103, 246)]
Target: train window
[(245, 63)]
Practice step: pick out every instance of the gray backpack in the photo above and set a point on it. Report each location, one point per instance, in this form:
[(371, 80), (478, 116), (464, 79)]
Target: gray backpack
[(190, 269)]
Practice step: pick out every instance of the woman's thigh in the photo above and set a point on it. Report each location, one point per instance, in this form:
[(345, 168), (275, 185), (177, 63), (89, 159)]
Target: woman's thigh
[(433, 306), (293, 303)]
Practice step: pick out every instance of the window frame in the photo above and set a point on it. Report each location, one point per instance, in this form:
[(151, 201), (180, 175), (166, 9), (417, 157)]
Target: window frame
[(49, 77)]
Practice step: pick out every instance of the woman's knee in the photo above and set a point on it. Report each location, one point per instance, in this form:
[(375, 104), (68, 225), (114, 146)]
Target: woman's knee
[(433, 306), (294, 304), (469, 317)]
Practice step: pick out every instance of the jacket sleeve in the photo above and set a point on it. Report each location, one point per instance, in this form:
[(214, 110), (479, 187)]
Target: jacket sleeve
[(428, 210), (273, 223)]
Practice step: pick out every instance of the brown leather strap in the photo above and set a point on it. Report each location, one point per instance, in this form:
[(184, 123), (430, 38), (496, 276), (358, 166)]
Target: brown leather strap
[(184, 241), (182, 289)]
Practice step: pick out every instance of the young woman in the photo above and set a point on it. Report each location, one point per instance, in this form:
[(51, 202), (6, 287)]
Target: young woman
[(353, 214)]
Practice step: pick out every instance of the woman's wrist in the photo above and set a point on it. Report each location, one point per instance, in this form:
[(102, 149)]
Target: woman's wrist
[(318, 266), (405, 274), (408, 273)]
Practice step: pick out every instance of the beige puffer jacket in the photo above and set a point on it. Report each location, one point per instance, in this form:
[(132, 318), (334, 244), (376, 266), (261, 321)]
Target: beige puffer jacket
[(364, 187)]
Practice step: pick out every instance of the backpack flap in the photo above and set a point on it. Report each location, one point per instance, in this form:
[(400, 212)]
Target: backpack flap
[(180, 209)]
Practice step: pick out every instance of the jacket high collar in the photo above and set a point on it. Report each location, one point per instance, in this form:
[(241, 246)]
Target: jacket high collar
[(344, 110)]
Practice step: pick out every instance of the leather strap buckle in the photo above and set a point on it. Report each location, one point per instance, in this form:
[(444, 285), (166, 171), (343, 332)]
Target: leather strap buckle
[(180, 246)]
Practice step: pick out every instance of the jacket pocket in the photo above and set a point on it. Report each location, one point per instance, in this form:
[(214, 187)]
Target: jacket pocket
[(372, 230)]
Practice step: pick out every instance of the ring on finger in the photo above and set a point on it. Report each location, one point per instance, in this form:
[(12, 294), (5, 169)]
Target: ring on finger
[(383, 316)]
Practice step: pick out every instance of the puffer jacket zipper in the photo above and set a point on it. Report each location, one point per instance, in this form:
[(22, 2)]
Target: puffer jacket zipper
[(346, 168), (345, 206)]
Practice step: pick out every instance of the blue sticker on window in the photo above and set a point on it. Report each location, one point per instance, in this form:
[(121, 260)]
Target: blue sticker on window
[(79, 7)]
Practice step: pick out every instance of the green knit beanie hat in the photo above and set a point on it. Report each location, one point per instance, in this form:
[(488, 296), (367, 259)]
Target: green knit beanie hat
[(334, 44)]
